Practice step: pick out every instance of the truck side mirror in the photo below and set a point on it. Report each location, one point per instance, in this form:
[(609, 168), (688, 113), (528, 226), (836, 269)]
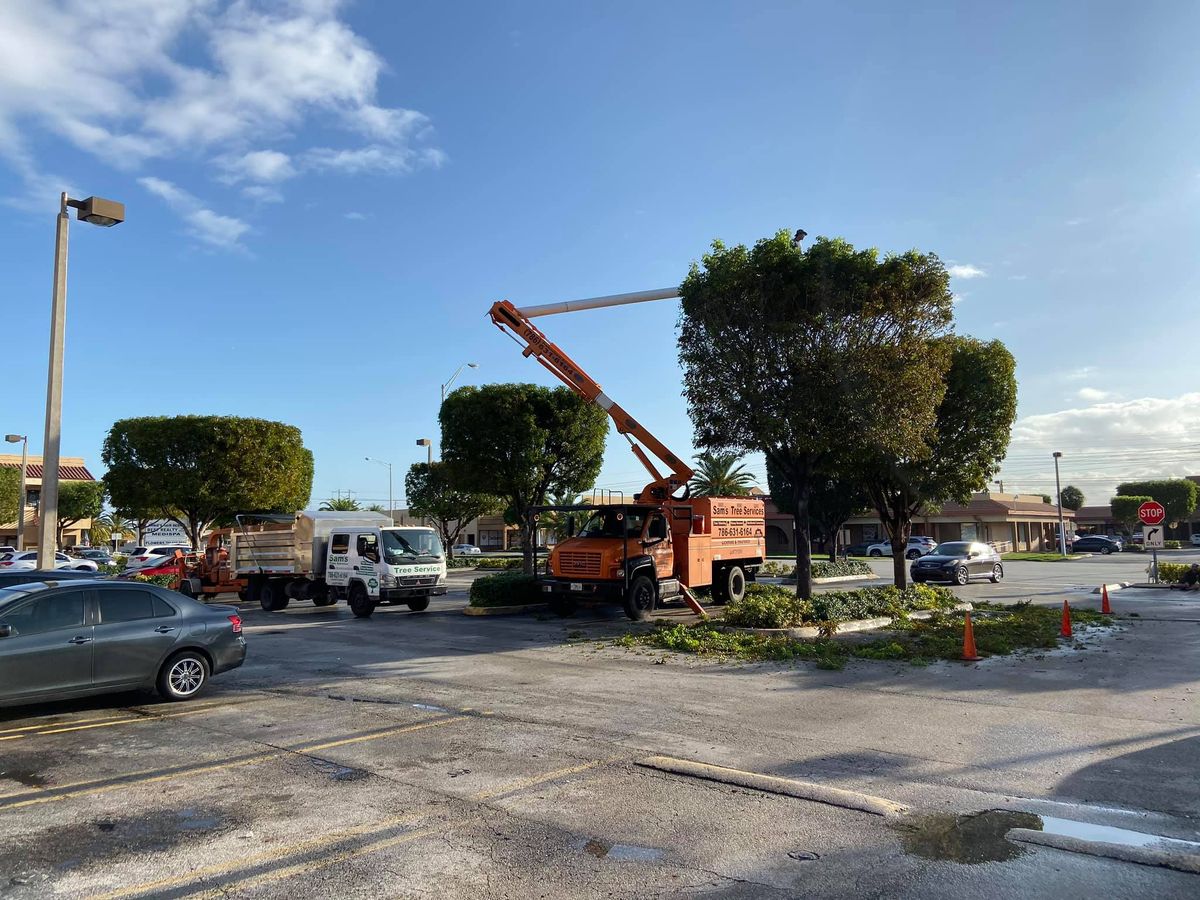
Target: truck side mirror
[(570, 526)]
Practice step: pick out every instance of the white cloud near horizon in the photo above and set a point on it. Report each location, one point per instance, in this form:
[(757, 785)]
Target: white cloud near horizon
[(214, 229), (1094, 395), (966, 271)]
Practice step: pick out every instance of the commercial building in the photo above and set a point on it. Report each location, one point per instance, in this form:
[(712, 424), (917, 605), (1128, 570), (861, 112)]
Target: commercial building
[(70, 468)]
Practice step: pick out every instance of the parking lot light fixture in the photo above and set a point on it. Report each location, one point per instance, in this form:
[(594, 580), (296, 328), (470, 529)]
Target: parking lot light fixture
[(1062, 533), (428, 445), (23, 440), (96, 211), (450, 380), (391, 503)]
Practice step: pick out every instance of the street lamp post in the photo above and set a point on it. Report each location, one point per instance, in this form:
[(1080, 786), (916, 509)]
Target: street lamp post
[(450, 380), (96, 211), (24, 441), (1062, 532), (428, 445), (391, 503)]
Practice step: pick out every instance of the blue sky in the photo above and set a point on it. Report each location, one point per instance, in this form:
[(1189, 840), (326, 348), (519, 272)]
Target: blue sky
[(324, 198)]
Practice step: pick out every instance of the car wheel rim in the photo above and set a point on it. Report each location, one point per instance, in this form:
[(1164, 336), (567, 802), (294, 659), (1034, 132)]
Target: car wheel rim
[(643, 598), (997, 573), (186, 677), (962, 575)]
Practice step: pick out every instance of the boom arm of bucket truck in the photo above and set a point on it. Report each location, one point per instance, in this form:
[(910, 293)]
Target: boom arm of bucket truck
[(515, 322)]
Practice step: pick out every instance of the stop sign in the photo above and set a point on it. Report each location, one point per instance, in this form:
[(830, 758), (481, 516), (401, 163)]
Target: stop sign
[(1151, 513)]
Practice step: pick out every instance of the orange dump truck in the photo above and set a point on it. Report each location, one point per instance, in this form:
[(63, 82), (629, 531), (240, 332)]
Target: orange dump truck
[(638, 554), (665, 542)]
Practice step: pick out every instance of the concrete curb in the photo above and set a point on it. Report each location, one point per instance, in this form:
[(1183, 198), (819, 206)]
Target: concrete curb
[(504, 610), (1115, 586), (771, 784), (1146, 856), (853, 625)]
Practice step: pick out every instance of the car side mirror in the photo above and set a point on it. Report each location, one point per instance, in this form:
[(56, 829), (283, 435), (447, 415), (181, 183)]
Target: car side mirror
[(6, 630)]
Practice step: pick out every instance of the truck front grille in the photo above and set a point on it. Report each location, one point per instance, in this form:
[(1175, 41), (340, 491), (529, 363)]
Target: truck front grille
[(418, 581), (577, 562)]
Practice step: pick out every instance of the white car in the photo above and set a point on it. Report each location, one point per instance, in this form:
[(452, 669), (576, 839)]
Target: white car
[(1196, 539), (466, 550), (918, 545), (27, 559), (145, 557)]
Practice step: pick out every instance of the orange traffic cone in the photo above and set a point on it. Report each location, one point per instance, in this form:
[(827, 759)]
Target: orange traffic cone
[(969, 654), (1104, 607), (1066, 622)]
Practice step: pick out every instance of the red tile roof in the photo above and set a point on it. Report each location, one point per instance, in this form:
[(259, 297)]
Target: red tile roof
[(65, 473)]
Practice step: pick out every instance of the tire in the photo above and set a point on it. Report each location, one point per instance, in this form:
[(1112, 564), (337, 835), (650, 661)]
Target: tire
[(562, 606), (324, 601), (997, 573), (876, 553), (244, 595), (733, 584), (270, 597), (84, 569), (912, 554), (962, 576), (640, 599), (183, 676), (1104, 551), (419, 605), (360, 603)]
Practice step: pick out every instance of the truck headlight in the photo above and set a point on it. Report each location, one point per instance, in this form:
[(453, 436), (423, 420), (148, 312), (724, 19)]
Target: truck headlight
[(387, 579), (616, 571)]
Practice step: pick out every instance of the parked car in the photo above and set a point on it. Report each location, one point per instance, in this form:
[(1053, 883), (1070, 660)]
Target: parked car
[(93, 637), (958, 562), (100, 557), (13, 577), (1096, 543), (859, 549), (7, 549), (139, 556), (466, 550), (27, 559), (918, 545), (1196, 539)]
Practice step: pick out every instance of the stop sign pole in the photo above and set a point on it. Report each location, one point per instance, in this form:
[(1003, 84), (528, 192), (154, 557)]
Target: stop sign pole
[(1152, 513)]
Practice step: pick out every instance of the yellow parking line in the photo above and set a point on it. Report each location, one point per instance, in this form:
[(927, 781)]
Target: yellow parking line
[(539, 779), (381, 734), (53, 724), (32, 731)]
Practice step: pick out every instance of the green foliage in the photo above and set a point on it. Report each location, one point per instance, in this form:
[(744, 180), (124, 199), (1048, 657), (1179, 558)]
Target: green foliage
[(1172, 573), (720, 474), (833, 500), (1177, 495), (767, 606), (161, 580), (196, 470), (1047, 499), (1072, 497), (10, 492), (505, 589), (1125, 507), (78, 500), (523, 443), (812, 355), (111, 525), (1172, 545), (340, 504), (821, 568), (433, 494), (771, 606), (508, 563)]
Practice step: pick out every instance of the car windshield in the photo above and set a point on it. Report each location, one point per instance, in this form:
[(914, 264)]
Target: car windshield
[(952, 548), (9, 594), (408, 544), (611, 523)]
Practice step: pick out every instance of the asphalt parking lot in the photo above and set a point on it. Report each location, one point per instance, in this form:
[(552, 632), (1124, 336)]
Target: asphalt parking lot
[(435, 754)]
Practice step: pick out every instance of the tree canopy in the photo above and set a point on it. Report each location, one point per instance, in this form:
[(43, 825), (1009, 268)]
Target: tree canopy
[(339, 504), (813, 356), (834, 499), (10, 491), (78, 500), (1072, 497), (196, 470), (1125, 508), (721, 474), (432, 494), (1177, 495), (523, 443)]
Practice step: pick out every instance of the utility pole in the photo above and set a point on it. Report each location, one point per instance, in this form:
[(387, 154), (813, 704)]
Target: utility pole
[(1062, 532)]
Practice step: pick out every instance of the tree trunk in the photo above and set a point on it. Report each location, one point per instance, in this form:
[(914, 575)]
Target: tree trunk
[(800, 527), (528, 543), (900, 527)]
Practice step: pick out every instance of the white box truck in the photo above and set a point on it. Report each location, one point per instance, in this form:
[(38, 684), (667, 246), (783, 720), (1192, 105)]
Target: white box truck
[(329, 556)]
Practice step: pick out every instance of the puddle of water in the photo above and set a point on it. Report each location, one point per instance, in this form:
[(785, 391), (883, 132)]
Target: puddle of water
[(338, 772), (623, 852), (1109, 834), (971, 838), (428, 708)]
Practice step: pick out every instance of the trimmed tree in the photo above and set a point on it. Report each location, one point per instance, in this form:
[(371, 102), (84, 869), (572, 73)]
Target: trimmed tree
[(77, 500), (1177, 495), (10, 492), (523, 443), (1125, 508), (963, 451), (832, 502), (812, 357), (432, 494), (197, 470), (1072, 497)]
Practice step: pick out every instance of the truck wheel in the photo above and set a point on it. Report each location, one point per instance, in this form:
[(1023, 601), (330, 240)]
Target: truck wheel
[(562, 606), (324, 601), (639, 602), (734, 584), (360, 603), (244, 594), (419, 605), (270, 597)]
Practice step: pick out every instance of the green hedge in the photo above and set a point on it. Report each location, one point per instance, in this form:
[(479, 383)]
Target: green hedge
[(161, 580), (460, 562), (821, 568), (506, 563), (1172, 573), (505, 589), (1172, 545), (771, 606)]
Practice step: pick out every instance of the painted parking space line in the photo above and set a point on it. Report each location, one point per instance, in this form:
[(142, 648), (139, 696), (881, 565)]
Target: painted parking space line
[(154, 776), (535, 780), (86, 725)]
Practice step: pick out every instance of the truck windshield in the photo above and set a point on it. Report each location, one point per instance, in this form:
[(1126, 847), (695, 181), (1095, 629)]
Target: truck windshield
[(408, 544), (610, 523)]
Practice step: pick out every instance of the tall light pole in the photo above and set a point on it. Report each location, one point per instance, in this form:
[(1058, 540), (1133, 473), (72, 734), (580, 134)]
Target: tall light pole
[(1062, 532), (450, 380), (23, 439), (428, 445), (391, 503), (96, 211)]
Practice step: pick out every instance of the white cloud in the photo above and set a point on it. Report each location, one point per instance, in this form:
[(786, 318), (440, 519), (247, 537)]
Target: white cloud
[(957, 298), (1115, 424), (374, 158), (1094, 395), (1017, 277), (134, 80), (354, 216), (205, 225), (262, 193), (966, 270), (1083, 373)]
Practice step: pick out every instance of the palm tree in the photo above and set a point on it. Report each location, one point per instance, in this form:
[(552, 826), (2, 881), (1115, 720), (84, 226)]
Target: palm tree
[(720, 475), (111, 524), (377, 507), (340, 504)]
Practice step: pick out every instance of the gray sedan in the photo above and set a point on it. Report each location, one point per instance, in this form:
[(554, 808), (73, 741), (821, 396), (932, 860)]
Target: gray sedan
[(80, 637)]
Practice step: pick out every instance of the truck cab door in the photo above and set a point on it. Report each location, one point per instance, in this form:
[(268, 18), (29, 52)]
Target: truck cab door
[(658, 539), (366, 561), (337, 563)]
